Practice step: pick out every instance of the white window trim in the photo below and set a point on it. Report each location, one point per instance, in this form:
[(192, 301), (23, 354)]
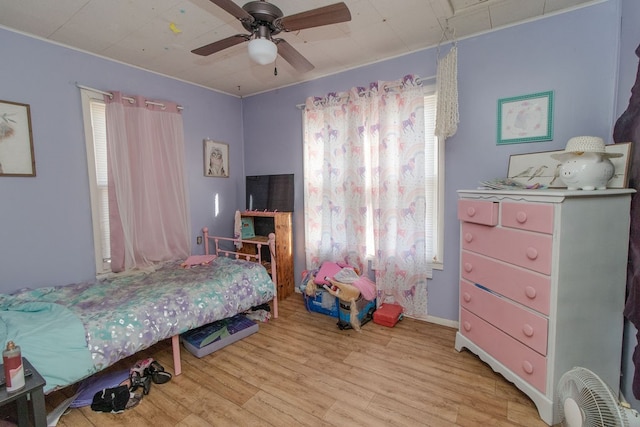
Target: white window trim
[(438, 258)]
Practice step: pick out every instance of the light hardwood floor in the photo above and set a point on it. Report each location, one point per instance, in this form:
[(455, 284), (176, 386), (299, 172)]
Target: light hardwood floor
[(300, 369)]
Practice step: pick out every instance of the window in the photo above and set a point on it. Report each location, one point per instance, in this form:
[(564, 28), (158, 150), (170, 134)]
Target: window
[(93, 109), (434, 149), (146, 137), (339, 192)]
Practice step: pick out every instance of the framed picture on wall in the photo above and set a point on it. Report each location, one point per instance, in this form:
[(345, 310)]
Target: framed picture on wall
[(216, 159), (527, 118), (16, 140)]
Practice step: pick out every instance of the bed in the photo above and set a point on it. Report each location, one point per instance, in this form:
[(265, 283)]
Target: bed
[(71, 332)]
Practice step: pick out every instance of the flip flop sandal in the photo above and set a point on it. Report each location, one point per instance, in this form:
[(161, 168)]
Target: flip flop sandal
[(134, 398), (138, 381), (157, 373), (141, 366)]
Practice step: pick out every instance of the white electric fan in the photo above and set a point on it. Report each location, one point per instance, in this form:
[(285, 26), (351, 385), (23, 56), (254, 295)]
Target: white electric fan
[(584, 400)]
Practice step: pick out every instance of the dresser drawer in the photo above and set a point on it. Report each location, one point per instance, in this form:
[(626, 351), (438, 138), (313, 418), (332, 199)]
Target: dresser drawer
[(522, 248), (478, 211), (528, 216), (525, 326), (524, 286), (517, 357)]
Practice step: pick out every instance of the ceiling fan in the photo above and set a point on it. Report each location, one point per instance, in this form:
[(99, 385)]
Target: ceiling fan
[(264, 20)]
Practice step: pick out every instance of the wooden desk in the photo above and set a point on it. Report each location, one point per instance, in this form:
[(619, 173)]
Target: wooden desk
[(34, 386)]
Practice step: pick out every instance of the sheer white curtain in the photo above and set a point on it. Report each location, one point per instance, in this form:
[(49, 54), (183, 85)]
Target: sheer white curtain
[(148, 206), (364, 179)]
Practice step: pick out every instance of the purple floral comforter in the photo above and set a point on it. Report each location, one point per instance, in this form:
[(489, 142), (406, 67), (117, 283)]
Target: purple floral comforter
[(124, 315)]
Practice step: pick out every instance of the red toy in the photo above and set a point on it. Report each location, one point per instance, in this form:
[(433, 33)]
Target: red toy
[(388, 315)]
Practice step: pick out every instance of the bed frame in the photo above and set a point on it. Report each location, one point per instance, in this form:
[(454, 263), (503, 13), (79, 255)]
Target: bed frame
[(88, 316), (215, 241)]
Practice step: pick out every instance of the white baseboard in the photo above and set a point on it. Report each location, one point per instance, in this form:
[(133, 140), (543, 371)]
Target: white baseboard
[(438, 321), (444, 322)]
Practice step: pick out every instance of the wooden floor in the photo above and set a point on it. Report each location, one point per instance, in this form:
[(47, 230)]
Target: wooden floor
[(300, 369)]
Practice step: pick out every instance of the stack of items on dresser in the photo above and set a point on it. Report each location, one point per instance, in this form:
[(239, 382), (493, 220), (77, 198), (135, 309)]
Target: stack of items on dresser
[(338, 290)]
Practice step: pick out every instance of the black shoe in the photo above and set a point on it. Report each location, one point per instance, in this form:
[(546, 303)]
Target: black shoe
[(138, 381), (157, 373)]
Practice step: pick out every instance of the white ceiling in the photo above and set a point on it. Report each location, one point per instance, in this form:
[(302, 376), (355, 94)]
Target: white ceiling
[(158, 35)]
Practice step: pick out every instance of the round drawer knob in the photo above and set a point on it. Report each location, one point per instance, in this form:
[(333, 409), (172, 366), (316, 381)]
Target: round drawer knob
[(530, 292), (521, 217), (467, 326), (468, 237), (527, 367), (532, 253), (527, 330), (468, 267), (466, 296), (471, 211)]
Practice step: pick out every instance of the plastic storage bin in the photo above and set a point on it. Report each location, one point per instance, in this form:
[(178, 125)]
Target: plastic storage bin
[(323, 302), (214, 336), (366, 311)]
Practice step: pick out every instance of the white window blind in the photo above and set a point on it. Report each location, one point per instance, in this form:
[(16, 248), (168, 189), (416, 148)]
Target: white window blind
[(434, 176), (98, 124), (94, 117)]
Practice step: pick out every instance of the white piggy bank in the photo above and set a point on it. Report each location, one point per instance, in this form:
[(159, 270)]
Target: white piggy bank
[(586, 171)]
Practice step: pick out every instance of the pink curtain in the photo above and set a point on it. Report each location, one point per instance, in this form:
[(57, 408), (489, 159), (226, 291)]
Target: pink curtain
[(148, 206), (364, 168)]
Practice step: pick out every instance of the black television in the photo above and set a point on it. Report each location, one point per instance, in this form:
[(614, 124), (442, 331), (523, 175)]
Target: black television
[(270, 192)]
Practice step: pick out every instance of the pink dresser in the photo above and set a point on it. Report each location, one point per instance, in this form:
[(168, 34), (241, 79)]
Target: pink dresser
[(542, 284)]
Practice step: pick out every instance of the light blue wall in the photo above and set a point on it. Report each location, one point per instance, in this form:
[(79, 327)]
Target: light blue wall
[(45, 222), (574, 54)]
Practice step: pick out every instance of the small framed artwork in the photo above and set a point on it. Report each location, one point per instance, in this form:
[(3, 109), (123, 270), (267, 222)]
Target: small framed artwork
[(16, 140), (527, 118), (216, 159), (540, 169)]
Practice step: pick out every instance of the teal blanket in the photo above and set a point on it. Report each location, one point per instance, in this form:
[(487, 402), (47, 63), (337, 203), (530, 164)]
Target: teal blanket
[(49, 335)]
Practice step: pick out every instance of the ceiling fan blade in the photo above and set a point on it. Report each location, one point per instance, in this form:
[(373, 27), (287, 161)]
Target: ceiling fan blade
[(233, 9), (293, 57), (221, 44), (332, 14)]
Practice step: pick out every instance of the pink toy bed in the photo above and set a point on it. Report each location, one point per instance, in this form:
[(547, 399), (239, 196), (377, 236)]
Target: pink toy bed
[(71, 332)]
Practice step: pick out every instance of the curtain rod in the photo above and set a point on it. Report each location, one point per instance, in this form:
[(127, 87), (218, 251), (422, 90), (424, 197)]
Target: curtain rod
[(131, 100), (419, 80)]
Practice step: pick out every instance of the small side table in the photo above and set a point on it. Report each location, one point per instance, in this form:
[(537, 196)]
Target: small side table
[(34, 386)]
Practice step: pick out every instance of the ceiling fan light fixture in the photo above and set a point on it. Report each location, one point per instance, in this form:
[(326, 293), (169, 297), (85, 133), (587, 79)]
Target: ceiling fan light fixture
[(262, 51), (264, 20)]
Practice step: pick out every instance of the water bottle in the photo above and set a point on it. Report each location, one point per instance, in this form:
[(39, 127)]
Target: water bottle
[(13, 368)]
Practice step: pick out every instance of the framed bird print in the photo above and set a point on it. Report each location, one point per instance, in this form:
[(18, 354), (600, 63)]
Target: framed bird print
[(535, 169), (542, 171), (16, 140)]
